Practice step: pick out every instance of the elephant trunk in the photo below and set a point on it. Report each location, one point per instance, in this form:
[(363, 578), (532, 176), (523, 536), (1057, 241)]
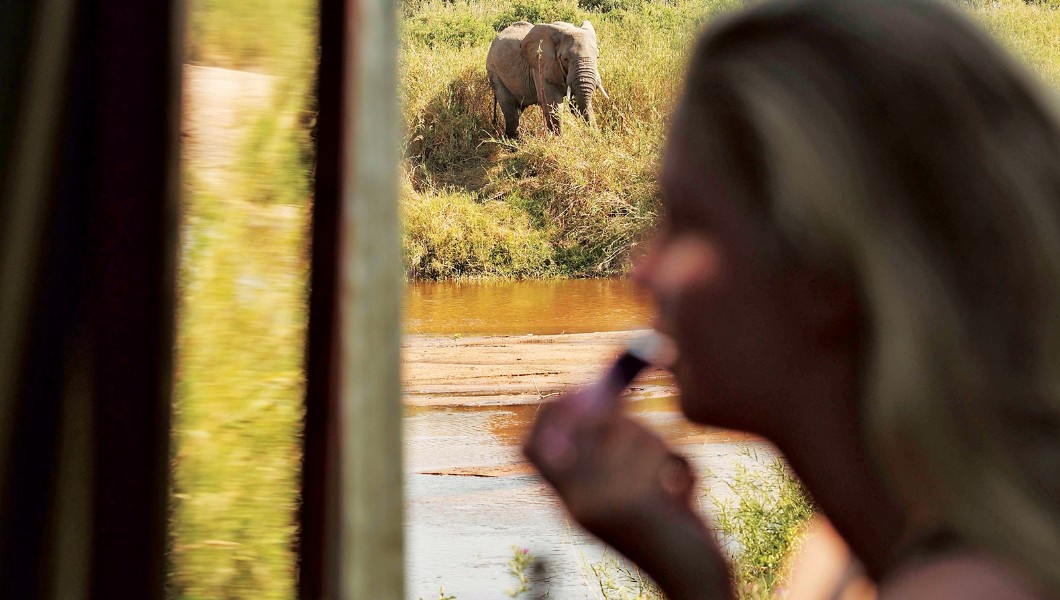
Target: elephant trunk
[(585, 82)]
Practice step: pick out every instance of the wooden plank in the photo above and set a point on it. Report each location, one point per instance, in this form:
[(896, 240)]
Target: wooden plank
[(138, 52), (318, 516), (370, 314), (351, 543), (87, 502)]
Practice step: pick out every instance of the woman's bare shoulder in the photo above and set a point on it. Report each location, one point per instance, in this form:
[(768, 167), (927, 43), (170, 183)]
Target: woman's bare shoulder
[(963, 574)]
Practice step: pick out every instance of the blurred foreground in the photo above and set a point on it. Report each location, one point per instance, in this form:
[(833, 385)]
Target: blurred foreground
[(242, 318)]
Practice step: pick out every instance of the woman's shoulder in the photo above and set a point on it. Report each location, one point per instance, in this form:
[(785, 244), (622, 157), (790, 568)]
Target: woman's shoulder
[(958, 573), (937, 568)]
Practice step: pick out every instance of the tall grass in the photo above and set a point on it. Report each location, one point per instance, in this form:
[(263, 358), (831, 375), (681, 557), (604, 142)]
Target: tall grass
[(270, 36), (1031, 31), (761, 524), (449, 235), (238, 399), (591, 191)]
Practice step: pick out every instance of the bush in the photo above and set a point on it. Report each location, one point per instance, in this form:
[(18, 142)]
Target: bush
[(605, 6), (448, 28), (762, 524), (453, 121), (596, 201), (537, 11), (449, 235)]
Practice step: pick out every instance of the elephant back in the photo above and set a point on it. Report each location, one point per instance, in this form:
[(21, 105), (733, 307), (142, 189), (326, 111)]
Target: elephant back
[(504, 50), (515, 32)]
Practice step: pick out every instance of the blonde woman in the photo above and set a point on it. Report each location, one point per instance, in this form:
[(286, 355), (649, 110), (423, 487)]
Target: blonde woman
[(860, 261)]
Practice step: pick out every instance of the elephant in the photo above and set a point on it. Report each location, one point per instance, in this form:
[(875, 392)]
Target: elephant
[(543, 64)]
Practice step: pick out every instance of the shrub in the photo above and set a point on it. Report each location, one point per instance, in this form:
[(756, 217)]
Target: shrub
[(447, 28), (448, 234), (762, 524), (449, 129), (605, 6), (613, 579), (537, 11), (596, 205)]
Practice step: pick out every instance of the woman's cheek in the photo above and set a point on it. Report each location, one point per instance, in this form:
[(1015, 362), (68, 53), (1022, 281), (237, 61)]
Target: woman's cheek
[(689, 262)]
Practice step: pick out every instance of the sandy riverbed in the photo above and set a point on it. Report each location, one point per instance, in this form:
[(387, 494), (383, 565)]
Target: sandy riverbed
[(510, 370)]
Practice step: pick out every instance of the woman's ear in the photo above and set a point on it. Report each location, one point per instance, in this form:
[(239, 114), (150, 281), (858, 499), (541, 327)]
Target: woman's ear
[(539, 51)]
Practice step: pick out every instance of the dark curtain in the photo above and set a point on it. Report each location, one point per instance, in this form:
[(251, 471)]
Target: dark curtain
[(88, 143)]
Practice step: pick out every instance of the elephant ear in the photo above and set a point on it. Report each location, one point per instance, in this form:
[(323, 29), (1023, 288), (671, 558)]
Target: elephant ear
[(588, 26), (539, 51)]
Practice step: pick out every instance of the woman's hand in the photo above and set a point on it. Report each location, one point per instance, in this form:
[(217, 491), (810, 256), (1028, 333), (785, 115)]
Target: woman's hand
[(623, 484)]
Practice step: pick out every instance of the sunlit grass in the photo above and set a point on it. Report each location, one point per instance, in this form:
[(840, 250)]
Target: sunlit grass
[(242, 318), (1031, 31), (238, 403), (591, 192), (761, 521)]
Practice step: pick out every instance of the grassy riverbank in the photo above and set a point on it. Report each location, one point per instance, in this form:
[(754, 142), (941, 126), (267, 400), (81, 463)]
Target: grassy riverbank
[(569, 206), (576, 205)]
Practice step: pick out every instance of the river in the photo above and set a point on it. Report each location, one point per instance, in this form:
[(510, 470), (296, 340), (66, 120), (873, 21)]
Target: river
[(470, 499)]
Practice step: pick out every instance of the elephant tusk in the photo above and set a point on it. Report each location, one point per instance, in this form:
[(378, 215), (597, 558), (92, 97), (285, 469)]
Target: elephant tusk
[(603, 91)]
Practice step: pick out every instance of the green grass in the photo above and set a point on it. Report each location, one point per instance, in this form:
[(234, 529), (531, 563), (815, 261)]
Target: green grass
[(590, 192), (242, 318), (238, 402), (256, 35), (761, 524), (450, 236)]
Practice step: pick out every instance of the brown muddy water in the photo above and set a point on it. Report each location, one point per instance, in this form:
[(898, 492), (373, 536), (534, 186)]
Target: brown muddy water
[(525, 307), (470, 498)]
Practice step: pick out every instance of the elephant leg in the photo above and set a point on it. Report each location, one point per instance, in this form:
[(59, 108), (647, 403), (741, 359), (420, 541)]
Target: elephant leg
[(555, 99), (511, 110)]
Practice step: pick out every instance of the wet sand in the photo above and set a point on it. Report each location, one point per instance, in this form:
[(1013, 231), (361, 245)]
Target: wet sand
[(503, 370)]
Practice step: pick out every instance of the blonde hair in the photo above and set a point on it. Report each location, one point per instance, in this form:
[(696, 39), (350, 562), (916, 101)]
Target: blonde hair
[(893, 140)]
